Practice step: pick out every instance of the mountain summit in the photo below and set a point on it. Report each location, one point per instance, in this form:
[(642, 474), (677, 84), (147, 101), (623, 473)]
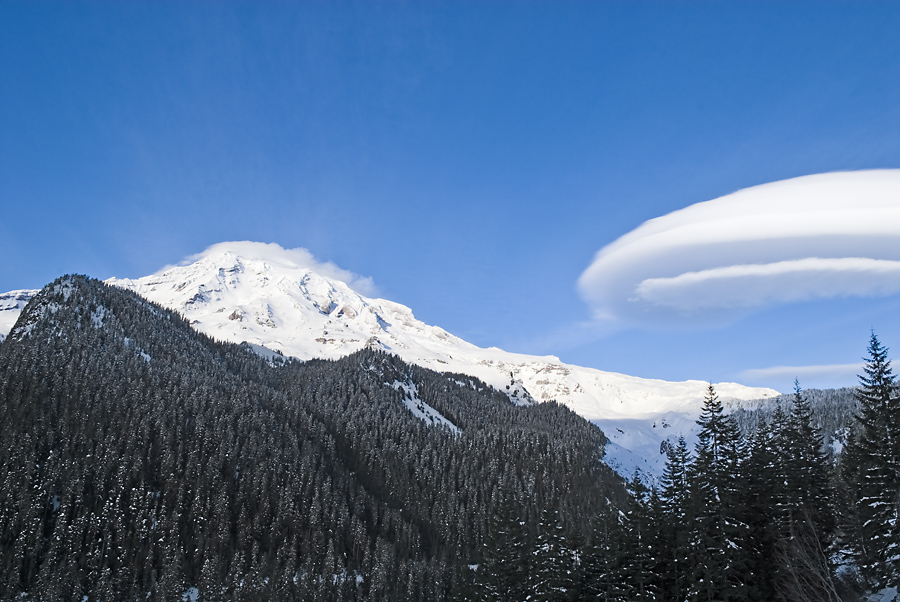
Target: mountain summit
[(285, 302)]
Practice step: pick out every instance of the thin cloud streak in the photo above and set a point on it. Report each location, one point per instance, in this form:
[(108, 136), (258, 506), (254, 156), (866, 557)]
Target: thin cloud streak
[(770, 283), (798, 371), (817, 376)]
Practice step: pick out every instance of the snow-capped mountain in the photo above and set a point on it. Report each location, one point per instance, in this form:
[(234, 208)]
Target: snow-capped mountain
[(283, 301)]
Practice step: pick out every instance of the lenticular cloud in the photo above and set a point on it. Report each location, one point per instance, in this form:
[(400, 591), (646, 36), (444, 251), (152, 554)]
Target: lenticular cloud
[(814, 237)]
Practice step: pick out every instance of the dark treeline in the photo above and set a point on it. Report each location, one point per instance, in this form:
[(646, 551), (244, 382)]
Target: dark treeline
[(732, 520), (833, 413), (139, 459), (772, 516)]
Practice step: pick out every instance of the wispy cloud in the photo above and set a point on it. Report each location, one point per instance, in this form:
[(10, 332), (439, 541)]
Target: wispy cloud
[(801, 372), (821, 376), (821, 236), (294, 258), (566, 337)]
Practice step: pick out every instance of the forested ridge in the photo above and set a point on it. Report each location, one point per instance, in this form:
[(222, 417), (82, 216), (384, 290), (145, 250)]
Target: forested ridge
[(764, 511), (833, 413), (139, 458), (142, 460)]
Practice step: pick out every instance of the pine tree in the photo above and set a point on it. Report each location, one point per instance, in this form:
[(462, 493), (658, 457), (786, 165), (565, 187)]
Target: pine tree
[(763, 480), (805, 516), (550, 577), (601, 562), (675, 527), (719, 535), (503, 574), (808, 470), (873, 462), (639, 563)]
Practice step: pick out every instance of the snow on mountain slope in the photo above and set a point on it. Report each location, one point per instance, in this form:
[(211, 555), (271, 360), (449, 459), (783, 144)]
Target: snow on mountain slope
[(422, 410), (285, 301), (11, 305), (267, 296)]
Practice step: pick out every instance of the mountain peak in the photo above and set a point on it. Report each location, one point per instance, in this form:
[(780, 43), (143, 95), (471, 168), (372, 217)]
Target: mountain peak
[(271, 257), (286, 301)]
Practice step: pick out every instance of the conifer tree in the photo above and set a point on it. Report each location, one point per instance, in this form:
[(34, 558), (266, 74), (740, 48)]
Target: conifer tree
[(807, 471), (676, 519), (636, 569), (550, 577), (805, 516), (872, 460), (719, 535), (601, 562), (763, 480), (504, 574)]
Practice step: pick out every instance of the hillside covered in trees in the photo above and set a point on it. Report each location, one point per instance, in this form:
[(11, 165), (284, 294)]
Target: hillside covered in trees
[(764, 508), (142, 460), (833, 413), (139, 459)]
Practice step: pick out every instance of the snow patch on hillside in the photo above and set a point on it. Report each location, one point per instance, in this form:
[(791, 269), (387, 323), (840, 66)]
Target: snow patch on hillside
[(888, 594), (11, 305), (144, 355), (422, 410), (98, 316), (639, 445)]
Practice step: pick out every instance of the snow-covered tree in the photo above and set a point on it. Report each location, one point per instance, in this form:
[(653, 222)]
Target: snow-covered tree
[(719, 534), (807, 471), (676, 518), (872, 464), (550, 578), (805, 506)]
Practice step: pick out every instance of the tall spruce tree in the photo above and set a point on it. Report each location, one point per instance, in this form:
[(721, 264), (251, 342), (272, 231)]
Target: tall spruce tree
[(719, 535), (808, 470), (601, 564), (763, 481), (675, 530), (639, 562), (550, 578), (872, 464), (504, 573), (805, 516)]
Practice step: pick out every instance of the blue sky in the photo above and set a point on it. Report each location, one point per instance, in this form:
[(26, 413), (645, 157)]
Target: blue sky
[(470, 157)]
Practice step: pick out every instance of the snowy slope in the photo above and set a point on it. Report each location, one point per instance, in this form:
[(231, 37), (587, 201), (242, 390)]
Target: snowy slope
[(279, 299), (638, 444), (263, 295), (11, 305)]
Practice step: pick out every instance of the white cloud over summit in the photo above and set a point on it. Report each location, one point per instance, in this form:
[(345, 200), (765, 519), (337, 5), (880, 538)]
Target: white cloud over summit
[(292, 258), (813, 237)]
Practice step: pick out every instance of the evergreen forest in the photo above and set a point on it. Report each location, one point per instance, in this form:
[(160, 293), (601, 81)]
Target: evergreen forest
[(141, 460)]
